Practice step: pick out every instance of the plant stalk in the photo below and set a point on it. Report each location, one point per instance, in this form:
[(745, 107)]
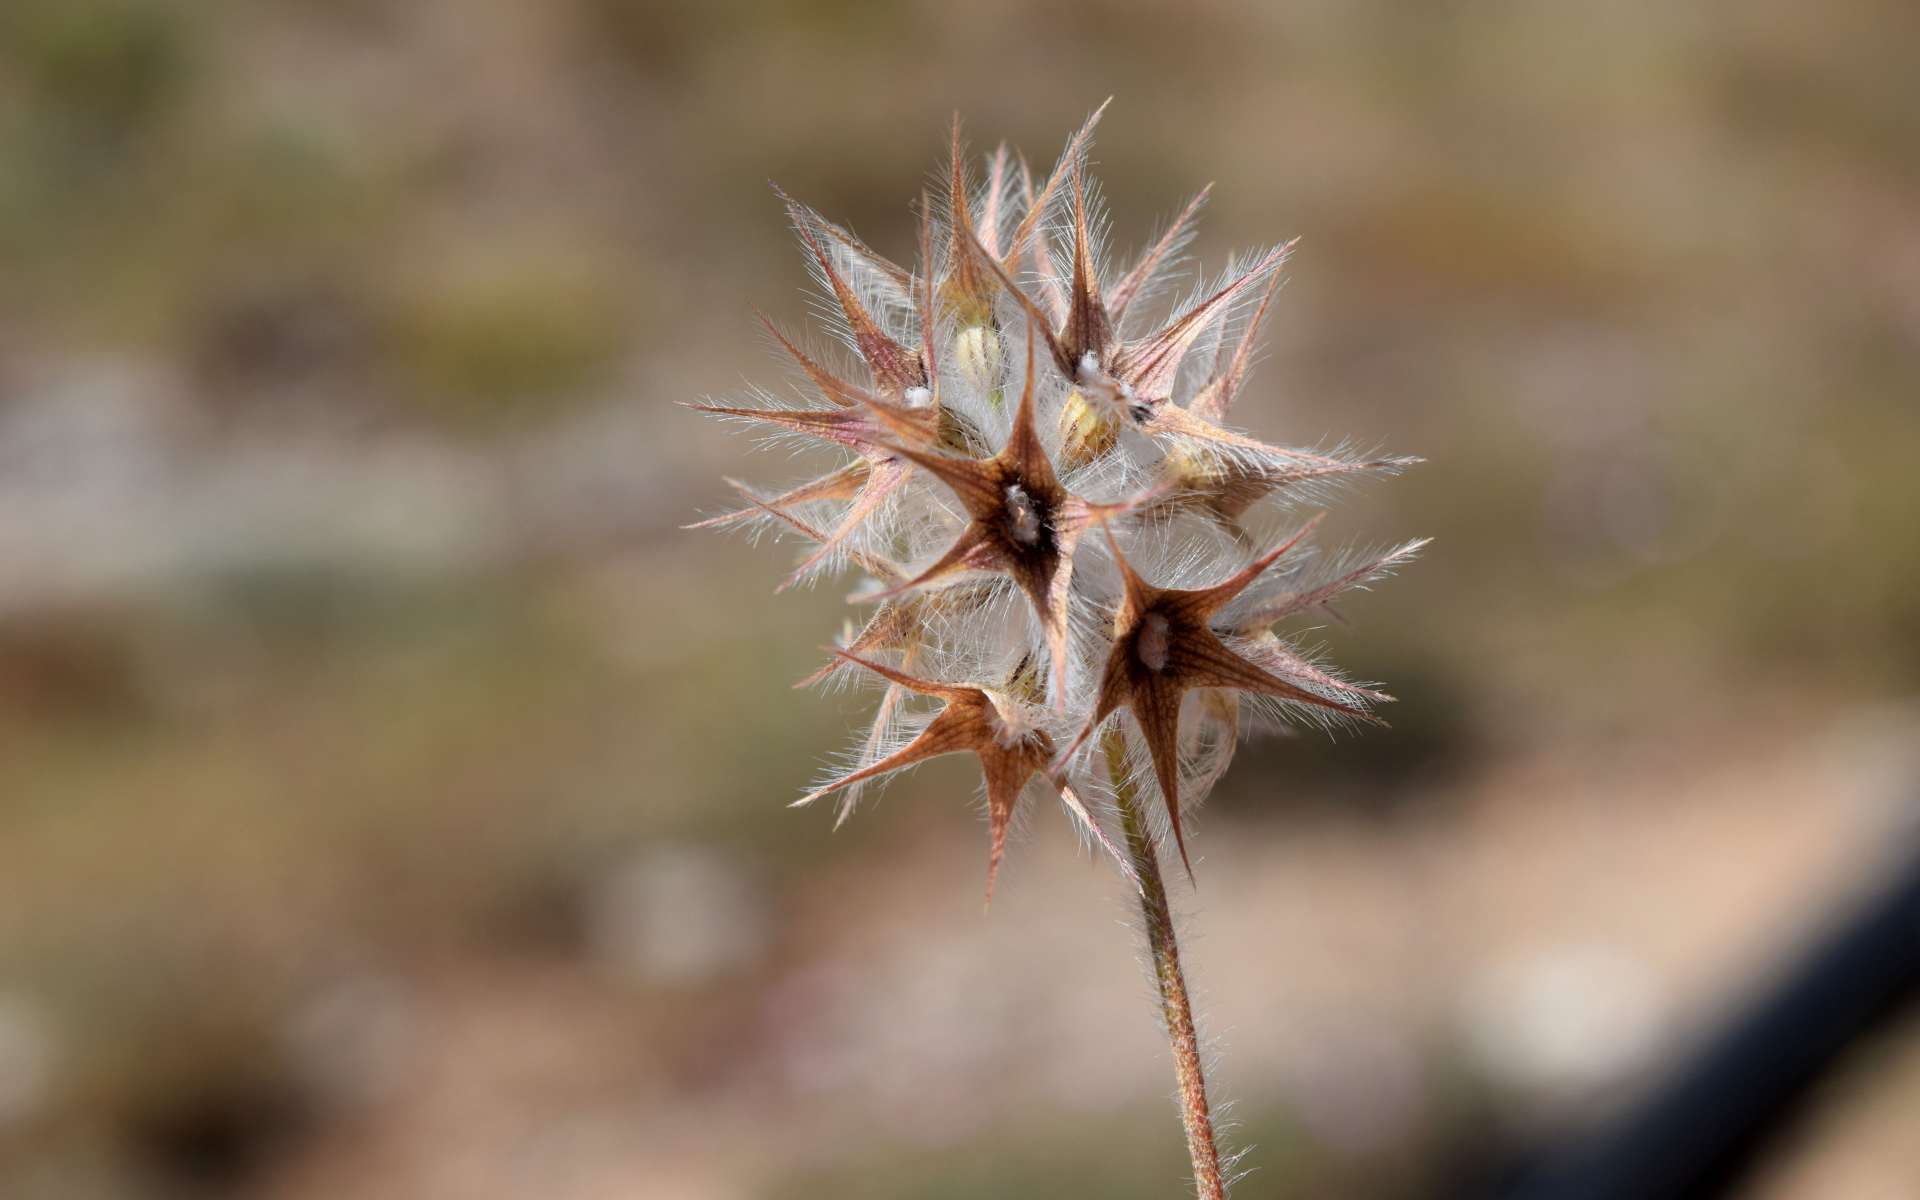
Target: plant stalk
[(1176, 1009)]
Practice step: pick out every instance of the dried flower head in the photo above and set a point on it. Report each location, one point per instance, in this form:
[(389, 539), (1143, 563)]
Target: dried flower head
[(991, 407)]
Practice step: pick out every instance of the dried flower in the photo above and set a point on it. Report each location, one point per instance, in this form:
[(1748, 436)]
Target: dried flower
[(969, 512), (969, 516)]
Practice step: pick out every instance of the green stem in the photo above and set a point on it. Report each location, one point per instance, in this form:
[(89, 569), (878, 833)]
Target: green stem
[(1175, 1008)]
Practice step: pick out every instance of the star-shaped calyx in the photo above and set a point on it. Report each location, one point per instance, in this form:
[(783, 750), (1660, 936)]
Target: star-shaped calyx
[(900, 405), (1084, 315), (989, 725), (1082, 332), (1130, 382), (1204, 469), (1260, 619), (1022, 523), (1164, 646)]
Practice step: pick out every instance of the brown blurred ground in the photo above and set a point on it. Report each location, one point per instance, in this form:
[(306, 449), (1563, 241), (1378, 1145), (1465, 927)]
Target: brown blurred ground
[(391, 797)]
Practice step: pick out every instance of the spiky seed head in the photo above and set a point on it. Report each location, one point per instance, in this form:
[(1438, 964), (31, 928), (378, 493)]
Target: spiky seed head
[(990, 408)]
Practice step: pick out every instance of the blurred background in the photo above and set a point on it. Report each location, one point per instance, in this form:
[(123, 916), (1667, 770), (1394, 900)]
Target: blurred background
[(391, 794)]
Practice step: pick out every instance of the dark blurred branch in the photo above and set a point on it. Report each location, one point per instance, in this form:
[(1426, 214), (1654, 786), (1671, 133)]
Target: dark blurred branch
[(1700, 1131)]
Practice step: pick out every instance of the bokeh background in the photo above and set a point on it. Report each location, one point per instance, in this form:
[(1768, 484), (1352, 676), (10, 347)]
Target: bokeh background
[(392, 795)]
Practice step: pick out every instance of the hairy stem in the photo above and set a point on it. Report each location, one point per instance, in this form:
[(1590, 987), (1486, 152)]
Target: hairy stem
[(1175, 1009)]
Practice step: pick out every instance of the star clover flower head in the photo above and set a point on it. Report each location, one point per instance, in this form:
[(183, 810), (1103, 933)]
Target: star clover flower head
[(1057, 536)]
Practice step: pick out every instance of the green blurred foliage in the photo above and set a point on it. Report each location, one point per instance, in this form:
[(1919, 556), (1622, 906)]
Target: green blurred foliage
[(493, 338), (100, 68)]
